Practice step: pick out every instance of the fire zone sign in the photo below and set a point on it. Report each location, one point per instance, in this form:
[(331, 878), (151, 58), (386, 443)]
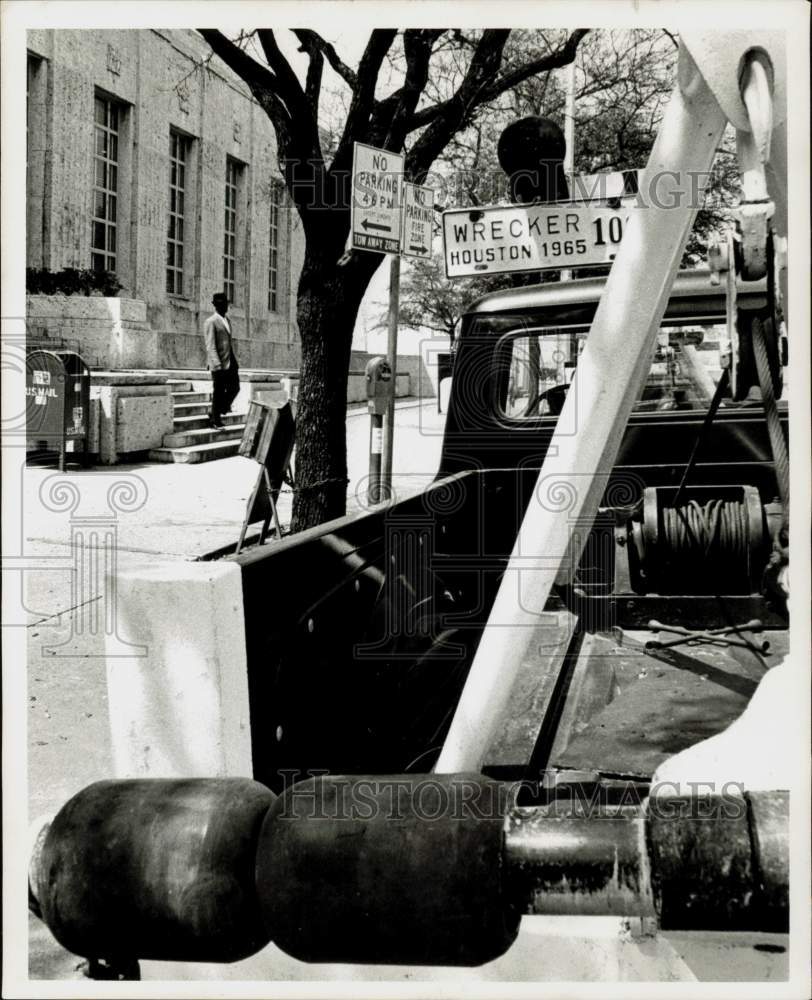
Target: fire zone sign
[(418, 220)]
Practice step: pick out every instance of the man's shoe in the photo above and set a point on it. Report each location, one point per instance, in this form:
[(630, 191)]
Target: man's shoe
[(215, 423)]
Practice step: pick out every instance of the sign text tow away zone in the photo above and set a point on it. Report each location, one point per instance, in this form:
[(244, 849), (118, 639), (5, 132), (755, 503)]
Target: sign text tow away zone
[(530, 237)]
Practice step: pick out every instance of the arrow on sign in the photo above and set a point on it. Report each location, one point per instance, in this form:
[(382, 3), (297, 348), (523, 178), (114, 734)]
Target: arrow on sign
[(375, 225), (418, 249)]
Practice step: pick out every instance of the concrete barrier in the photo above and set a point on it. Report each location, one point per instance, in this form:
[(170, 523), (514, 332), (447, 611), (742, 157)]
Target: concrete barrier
[(181, 709), (129, 412)]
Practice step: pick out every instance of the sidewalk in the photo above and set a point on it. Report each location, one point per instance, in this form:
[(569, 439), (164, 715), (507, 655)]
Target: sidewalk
[(142, 514), (139, 514), (184, 511)]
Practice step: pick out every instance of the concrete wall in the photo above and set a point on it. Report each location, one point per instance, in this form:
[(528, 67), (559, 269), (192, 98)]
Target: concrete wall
[(108, 333), (152, 73), (420, 370)]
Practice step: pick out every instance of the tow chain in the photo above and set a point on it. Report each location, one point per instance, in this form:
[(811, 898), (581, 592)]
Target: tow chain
[(291, 487)]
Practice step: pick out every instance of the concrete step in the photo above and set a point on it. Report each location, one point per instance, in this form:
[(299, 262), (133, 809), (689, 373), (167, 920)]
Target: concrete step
[(180, 385), (196, 422), (190, 397), (196, 453), (203, 435), (191, 409)]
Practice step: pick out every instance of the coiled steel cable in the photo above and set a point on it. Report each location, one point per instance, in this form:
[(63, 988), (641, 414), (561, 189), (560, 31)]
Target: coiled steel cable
[(778, 442), (712, 540)]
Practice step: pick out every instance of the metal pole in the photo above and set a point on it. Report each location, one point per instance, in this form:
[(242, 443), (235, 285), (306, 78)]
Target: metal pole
[(375, 448), (391, 357), (622, 338), (569, 139)]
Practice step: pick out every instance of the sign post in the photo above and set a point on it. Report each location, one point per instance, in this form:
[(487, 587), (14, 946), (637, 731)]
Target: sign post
[(569, 138), (389, 215), (392, 359), (377, 224)]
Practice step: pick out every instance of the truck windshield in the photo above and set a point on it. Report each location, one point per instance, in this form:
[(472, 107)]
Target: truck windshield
[(543, 361)]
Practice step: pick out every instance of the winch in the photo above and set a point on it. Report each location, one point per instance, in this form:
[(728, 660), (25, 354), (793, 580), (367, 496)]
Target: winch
[(713, 541)]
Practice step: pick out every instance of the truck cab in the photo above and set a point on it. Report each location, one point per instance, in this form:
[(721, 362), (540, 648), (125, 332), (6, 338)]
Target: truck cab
[(356, 664), (359, 637)]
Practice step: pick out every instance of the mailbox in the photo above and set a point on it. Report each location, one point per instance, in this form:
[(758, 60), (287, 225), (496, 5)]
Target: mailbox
[(57, 404), (379, 385)]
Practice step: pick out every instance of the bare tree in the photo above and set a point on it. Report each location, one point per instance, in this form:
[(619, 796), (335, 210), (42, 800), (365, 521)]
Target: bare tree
[(428, 300), (623, 80), (414, 118)]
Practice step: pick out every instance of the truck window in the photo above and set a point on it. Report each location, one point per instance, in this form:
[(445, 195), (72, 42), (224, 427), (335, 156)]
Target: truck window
[(544, 360)]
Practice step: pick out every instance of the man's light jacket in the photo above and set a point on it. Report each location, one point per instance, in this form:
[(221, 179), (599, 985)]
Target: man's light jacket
[(219, 349)]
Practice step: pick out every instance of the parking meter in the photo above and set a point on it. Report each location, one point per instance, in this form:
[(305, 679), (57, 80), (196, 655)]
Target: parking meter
[(380, 385)]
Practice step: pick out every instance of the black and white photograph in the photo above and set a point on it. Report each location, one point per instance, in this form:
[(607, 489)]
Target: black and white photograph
[(401, 407)]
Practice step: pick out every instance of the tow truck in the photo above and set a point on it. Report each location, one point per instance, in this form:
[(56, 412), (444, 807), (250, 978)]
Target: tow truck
[(459, 700)]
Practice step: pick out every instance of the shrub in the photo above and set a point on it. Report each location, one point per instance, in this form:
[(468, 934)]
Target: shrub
[(71, 281)]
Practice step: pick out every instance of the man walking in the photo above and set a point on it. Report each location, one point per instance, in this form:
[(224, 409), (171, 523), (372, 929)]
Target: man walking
[(221, 360)]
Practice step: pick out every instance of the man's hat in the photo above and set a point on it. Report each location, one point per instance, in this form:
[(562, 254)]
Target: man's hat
[(219, 297)]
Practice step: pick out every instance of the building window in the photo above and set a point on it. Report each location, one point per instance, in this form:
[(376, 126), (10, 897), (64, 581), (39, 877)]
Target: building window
[(175, 239), (36, 145), (30, 88), (105, 185), (233, 169), (273, 243)]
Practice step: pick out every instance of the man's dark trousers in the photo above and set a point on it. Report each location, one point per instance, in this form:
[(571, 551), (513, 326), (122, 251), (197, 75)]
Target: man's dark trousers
[(225, 386)]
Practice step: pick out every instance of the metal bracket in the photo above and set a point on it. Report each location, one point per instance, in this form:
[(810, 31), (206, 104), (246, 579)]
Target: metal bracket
[(729, 357), (753, 148), (720, 57)]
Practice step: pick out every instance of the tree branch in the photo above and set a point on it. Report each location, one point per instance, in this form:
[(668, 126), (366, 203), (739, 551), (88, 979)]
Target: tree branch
[(417, 48), (261, 82), (314, 39), (553, 60), (302, 108), (363, 98), (289, 86), (315, 70), (456, 112)]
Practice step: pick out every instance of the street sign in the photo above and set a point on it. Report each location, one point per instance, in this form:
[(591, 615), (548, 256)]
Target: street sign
[(377, 179), (418, 219), (530, 237), (604, 186)]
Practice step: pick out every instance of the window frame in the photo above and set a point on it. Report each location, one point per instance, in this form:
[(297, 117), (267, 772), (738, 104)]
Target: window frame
[(177, 245), (504, 356), (109, 158), (276, 195), (231, 224), (37, 144)]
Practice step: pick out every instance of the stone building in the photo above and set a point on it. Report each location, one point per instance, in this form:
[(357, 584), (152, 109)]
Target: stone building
[(145, 162)]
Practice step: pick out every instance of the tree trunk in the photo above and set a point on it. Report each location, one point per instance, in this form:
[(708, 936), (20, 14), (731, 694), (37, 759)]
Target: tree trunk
[(327, 308)]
